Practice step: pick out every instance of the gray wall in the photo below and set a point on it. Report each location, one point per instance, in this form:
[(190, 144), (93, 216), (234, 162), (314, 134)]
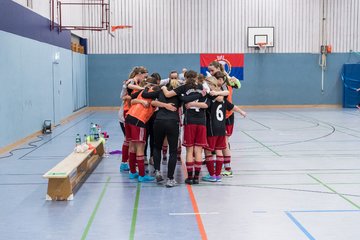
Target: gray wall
[(269, 79)]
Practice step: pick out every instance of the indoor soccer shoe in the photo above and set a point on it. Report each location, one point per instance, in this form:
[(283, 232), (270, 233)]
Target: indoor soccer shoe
[(124, 167), (158, 176), (209, 178), (146, 178), (170, 183), (189, 181), (226, 173), (218, 178), (133, 175)]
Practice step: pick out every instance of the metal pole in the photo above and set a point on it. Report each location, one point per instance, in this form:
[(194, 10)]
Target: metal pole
[(323, 55)]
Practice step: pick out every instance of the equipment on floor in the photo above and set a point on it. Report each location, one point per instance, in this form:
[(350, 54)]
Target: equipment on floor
[(46, 127)]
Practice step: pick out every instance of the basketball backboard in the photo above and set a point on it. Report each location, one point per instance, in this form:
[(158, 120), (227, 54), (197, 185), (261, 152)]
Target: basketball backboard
[(258, 35)]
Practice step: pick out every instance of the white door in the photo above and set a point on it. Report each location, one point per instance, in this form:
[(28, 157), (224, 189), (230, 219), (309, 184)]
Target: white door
[(56, 93)]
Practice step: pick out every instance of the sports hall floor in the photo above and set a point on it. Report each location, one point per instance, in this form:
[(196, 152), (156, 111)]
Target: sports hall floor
[(297, 176)]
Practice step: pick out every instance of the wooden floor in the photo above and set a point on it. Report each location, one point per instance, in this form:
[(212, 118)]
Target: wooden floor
[(296, 176)]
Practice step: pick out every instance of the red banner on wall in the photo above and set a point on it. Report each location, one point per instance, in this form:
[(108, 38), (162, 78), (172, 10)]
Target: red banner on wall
[(233, 63)]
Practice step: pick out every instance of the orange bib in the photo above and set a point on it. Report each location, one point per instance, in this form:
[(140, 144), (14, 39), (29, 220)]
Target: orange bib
[(140, 112), (229, 98)]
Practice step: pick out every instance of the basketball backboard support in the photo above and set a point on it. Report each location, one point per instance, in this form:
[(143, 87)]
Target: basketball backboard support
[(99, 8), (258, 35)]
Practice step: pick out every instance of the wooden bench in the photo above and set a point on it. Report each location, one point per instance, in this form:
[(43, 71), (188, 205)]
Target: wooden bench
[(66, 177)]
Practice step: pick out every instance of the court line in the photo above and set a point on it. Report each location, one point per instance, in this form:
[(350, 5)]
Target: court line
[(195, 206), (279, 129), (235, 172), (187, 214), (346, 128), (135, 212), (269, 185), (196, 211), (92, 217), (339, 194), (272, 188), (301, 227), (311, 120), (260, 143), (259, 123), (350, 113), (348, 133), (323, 211)]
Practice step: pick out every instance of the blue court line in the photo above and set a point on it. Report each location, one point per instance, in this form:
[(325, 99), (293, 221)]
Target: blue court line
[(302, 228), (298, 224)]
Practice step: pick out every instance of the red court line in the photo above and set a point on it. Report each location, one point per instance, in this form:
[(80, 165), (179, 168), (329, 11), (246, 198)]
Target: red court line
[(195, 207)]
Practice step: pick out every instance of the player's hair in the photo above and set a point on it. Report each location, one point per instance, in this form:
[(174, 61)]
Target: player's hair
[(218, 75), (151, 80), (137, 70), (174, 83), (156, 76), (190, 77), (174, 71), (212, 81), (218, 65), (201, 78), (190, 74), (154, 83)]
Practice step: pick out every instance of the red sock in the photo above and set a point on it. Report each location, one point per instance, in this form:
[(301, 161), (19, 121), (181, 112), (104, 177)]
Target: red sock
[(189, 168), (125, 152), (219, 163), (132, 162), (141, 165), (210, 164), (227, 160), (197, 169)]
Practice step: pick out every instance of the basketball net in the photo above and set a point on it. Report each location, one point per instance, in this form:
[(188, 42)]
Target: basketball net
[(262, 47)]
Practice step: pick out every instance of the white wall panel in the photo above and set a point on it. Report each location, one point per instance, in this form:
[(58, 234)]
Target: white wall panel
[(193, 26), (71, 15), (342, 30)]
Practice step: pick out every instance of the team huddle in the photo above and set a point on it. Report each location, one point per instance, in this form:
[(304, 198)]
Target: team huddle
[(153, 108)]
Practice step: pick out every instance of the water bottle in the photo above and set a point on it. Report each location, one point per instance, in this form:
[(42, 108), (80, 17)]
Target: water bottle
[(78, 140), (96, 133), (85, 139), (99, 130), (91, 132)]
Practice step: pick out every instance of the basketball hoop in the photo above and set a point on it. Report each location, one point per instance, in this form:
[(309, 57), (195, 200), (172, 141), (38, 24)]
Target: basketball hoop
[(114, 28), (262, 47)]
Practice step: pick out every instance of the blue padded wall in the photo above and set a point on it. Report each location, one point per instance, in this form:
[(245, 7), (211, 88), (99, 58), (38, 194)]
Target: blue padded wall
[(107, 71), (351, 81), (269, 79)]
